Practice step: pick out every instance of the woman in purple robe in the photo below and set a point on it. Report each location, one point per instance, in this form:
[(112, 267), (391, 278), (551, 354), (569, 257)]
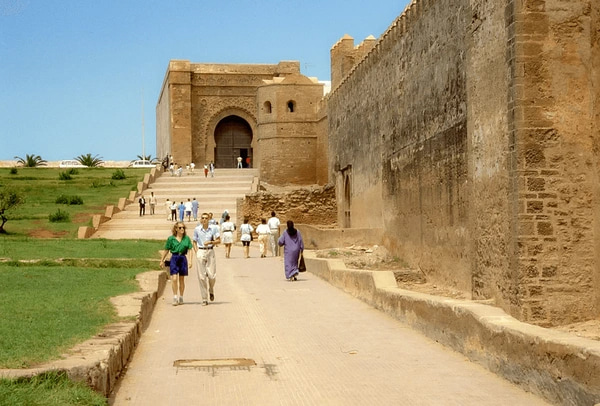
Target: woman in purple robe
[(292, 240)]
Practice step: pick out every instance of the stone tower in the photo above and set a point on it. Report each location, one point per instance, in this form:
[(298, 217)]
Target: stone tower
[(288, 129)]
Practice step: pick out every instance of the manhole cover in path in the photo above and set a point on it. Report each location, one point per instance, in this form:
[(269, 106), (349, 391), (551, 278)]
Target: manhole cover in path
[(215, 363)]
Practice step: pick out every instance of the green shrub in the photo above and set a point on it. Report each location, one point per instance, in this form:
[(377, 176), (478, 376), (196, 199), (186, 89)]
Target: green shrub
[(75, 200), (63, 199), (59, 216), (64, 176), (118, 174), (13, 171), (73, 171)]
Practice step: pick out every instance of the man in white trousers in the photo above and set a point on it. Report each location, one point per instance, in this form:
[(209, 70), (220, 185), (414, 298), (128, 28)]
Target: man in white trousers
[(205, 238), (273, 224)]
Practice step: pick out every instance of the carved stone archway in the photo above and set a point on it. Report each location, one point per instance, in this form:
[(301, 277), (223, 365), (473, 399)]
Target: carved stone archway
[(233, 138)]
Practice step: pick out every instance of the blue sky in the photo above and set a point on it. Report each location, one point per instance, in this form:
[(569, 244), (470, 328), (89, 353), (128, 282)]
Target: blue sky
[(76, 75)]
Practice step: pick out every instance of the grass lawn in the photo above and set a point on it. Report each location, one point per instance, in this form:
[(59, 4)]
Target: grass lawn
[(48, 389), (55, 291), (41, 187), (45, 310), (46, 305)]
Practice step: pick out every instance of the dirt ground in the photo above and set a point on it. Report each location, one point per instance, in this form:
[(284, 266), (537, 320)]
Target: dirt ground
[(377, 258)]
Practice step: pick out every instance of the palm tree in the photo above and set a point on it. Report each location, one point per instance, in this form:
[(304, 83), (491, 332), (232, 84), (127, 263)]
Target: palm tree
[(147, 158), (89, 160), (31, 161)]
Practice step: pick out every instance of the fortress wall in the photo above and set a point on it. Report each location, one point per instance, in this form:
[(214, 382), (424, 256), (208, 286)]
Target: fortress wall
[(557, 160), (288, 140), (288, 160), (163, 121), (475, 122), (398, 122), (322, 169), (595, 41), (180, 94), (492, 205)]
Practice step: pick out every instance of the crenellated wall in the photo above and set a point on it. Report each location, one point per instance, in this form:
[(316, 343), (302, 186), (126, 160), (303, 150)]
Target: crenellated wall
[(469, 132), (398, 128)]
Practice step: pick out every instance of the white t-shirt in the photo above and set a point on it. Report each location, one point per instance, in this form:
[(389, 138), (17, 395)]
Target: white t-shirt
[(246, 229), (273, 223), (263, 229)]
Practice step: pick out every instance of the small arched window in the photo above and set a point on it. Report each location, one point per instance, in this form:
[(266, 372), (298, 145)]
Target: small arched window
[(268, 107), (291, 106)]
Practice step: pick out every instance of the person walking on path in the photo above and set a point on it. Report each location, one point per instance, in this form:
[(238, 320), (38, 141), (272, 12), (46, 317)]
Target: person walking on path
[(246, 230), (173, 211), (263, 232), (188, 209), (211, 168), (227, 229), (168, 208), (294, 246), (273, 224), (181, 210), (225, 213), (239, 162), (195, 209), (178, 244), (205, 170), (205, 238), (142, 203), (153, 202)]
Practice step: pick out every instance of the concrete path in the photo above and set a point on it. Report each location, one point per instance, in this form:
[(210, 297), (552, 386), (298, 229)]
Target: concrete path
[(301, 343)]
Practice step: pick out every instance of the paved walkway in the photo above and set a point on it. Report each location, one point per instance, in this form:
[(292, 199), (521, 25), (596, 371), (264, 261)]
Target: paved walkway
[(311, 343)]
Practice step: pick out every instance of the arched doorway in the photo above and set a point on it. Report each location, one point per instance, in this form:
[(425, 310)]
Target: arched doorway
[(233, 138), (347, 201)]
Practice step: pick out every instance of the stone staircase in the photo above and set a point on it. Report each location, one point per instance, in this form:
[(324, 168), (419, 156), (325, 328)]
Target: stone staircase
[(213, 194)]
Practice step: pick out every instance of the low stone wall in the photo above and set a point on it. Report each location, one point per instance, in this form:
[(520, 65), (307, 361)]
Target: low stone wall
[(303, 205), (99, 361), (560, 367)]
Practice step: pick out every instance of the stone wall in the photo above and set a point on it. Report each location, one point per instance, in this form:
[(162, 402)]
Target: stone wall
[(492, 207), (470, 134), (309, 205), (403, 111), (163, 120), (288, 130), (556, 162)]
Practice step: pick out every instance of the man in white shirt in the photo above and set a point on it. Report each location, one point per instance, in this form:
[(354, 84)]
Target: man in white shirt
[(273, 224), (153, 202), (205, 238), (188, 209)]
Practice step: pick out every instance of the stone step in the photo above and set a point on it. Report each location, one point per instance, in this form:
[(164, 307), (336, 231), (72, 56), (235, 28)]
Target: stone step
[(214, 195)]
